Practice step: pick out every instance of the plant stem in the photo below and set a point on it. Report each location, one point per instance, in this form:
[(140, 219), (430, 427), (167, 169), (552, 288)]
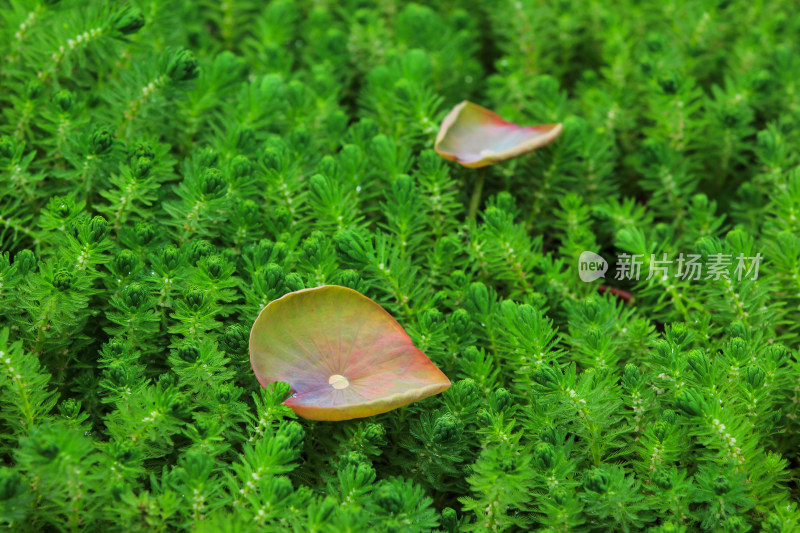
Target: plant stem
[(475, 201)]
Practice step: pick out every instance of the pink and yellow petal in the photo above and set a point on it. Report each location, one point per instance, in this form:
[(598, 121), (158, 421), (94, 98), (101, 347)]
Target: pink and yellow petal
[(474, 136), (344, 356)]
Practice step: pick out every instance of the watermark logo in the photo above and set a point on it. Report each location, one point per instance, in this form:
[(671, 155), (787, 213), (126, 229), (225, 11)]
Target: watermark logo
[(591, 266), (686, 267)]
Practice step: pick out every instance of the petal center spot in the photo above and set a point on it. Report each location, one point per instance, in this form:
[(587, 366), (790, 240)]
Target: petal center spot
[(338, 381)]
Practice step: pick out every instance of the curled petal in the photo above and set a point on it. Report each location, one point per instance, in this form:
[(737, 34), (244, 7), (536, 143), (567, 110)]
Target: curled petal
[(474, 137), (343, 355)]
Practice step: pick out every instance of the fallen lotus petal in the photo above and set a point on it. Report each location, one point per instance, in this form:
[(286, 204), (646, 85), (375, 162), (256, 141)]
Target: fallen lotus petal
[(476, 137), (343, 355)]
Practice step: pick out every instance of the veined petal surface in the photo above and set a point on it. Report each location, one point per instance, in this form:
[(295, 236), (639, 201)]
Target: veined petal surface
[(474, 136), (343, 355)]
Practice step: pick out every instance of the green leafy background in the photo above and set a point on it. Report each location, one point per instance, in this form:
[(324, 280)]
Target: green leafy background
[(168, 167)]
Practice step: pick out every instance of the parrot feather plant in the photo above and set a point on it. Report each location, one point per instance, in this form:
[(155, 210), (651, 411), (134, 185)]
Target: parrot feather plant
[(170, 168)]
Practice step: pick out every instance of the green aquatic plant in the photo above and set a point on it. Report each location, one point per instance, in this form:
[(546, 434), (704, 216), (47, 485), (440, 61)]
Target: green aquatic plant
[(169, 168)]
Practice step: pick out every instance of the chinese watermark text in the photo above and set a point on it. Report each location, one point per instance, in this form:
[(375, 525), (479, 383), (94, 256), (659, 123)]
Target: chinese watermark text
[(686, 267)]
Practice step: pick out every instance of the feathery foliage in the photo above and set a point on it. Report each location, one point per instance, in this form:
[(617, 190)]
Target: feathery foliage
[(169, 167)]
